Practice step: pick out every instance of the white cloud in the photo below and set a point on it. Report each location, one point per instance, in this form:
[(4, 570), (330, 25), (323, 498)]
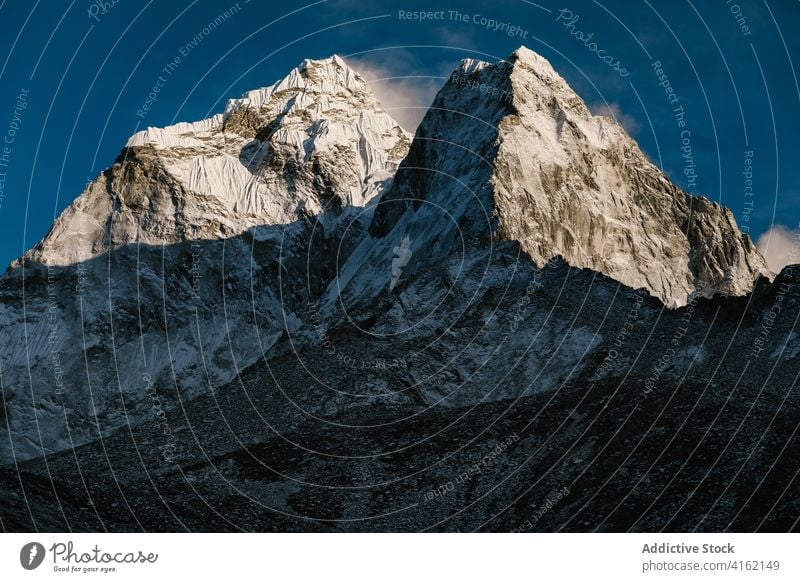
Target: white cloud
[(403, 94), (613, 111), (780, 247)]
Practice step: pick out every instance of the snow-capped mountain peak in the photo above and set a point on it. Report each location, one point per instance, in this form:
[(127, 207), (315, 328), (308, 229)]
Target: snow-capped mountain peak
[(513, 153), (318, 139)]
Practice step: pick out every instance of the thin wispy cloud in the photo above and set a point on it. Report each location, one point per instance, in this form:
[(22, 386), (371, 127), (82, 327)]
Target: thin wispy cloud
[(404, 93), (780, 247), (614, 111)]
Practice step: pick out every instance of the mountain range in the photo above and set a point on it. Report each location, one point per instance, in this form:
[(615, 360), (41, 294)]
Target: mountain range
[(295, 315)]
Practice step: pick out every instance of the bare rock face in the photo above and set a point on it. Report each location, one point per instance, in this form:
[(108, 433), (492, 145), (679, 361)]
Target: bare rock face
[(316, 140), (517, 155)]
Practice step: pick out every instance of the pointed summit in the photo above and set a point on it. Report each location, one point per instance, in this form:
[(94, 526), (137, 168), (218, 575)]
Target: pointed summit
[(331, 76), (513, 153), (317, 139), (534, 62)]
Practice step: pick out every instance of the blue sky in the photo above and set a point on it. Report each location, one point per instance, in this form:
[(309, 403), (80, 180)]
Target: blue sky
[(84, 70)]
